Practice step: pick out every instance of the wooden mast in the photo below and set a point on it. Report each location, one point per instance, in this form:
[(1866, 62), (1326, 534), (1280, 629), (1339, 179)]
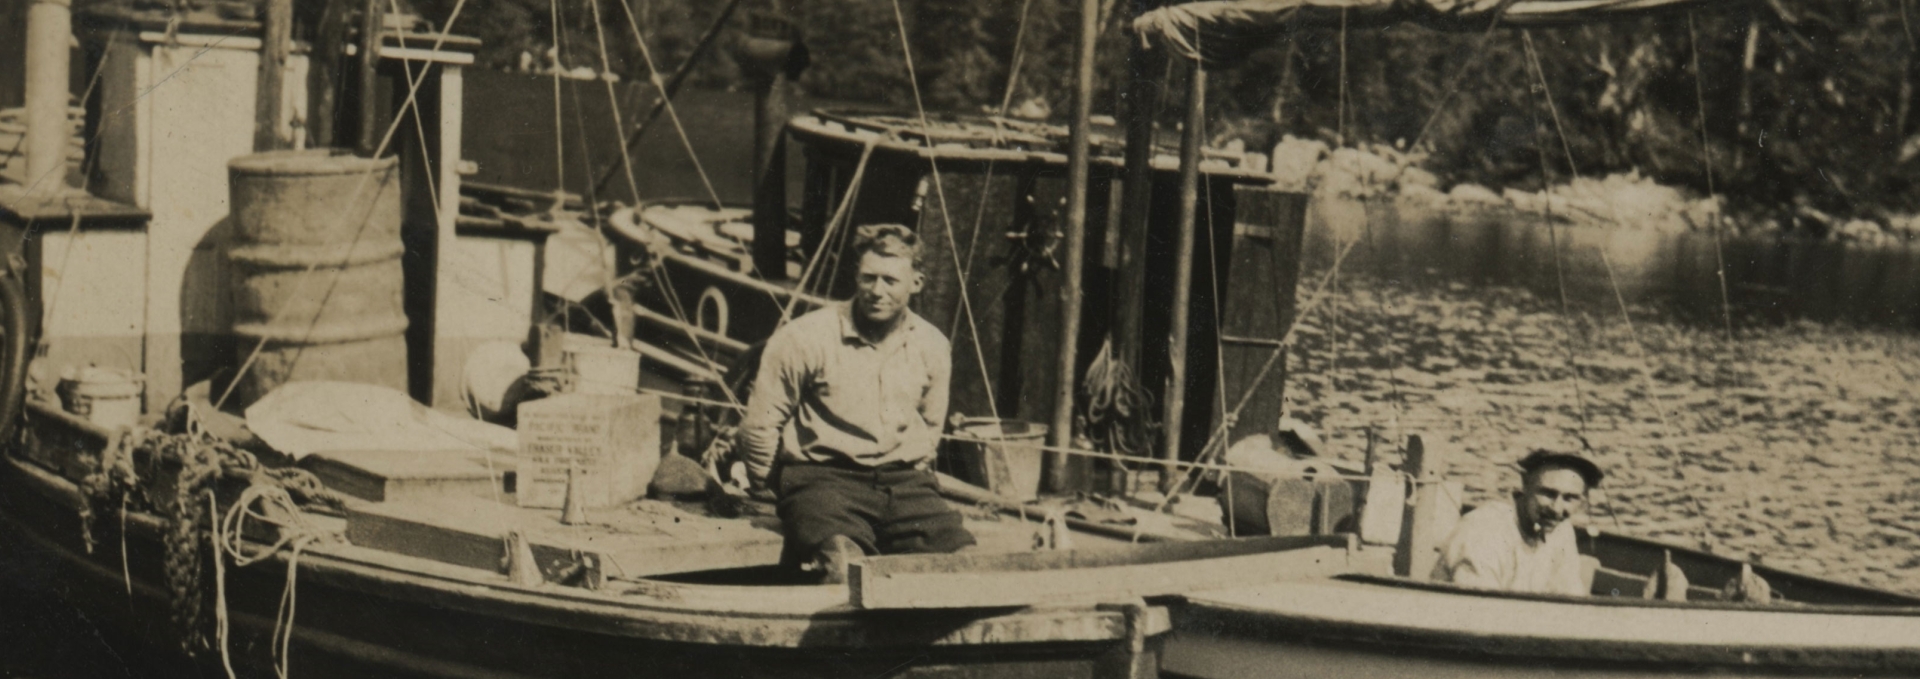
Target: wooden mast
[(1190, 139), (1061, 434), (369, 138), (276, 41)]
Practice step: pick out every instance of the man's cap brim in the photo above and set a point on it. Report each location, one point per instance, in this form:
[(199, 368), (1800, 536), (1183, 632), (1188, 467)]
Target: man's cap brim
[(1587, 470)]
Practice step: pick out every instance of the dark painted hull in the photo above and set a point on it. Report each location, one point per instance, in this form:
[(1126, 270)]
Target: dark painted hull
[(361, 613)]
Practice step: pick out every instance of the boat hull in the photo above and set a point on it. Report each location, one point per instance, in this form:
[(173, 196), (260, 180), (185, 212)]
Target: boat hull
[(1346, 627), (364, 613)]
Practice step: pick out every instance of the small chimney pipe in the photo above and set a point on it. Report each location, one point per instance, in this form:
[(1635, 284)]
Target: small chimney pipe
[(49, 31)]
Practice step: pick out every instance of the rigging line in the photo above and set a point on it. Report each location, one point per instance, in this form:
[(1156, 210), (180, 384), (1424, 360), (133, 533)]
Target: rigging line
[(595, 218), (653, 76), (839, 221), (1219, 342), (105, 117), (1553, 245), (1459, 76), (940, 193), (1393, 361), (92, 161), (626, 160), (673, 302), (1906, 26), (1216, 442), (1019, 55), (1706, 161), (613, 100), (1613, 281), (1068, 450), (1340, 112), (680, 73), (420, 130), (999, 127), (559, 126), (306, 275)]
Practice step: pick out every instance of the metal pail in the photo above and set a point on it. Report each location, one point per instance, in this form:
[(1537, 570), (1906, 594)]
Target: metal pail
[(1003, 455), (104, 396)]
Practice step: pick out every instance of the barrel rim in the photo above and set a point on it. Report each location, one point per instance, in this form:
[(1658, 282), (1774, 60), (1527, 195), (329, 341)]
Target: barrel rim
[(313, 334), (336, 255), (309, 162)]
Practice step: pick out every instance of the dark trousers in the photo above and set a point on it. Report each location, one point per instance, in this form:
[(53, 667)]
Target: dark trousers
[(890, 510)]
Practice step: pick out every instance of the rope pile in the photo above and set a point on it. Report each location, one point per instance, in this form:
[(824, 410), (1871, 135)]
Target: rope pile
[(203, 462)]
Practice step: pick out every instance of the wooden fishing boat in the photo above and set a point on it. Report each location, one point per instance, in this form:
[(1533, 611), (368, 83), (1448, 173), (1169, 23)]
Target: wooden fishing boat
[(380, 610), (456, 579), (422, 562), (1375, 626), (1368, 625)]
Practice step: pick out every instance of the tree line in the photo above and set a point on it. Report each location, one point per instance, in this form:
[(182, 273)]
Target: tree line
[(1800, 112)]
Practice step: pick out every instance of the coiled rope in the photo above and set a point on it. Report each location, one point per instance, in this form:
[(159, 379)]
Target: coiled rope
[(203, 462)]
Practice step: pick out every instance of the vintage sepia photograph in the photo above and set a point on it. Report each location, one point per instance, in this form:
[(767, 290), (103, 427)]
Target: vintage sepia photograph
[(1098, 339)]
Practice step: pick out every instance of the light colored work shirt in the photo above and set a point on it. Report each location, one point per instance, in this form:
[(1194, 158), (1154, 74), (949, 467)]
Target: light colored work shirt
[(1486, 550), (840, 398)]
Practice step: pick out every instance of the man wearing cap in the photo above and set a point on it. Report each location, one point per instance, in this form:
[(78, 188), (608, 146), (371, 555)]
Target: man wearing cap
[(845, 415), (1526, 546)]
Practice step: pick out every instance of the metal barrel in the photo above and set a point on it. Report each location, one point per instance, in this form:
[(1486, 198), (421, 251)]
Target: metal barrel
[(317, 278)]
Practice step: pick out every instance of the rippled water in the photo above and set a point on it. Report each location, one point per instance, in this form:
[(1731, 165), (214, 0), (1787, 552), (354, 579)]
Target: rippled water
[(1793, 443)]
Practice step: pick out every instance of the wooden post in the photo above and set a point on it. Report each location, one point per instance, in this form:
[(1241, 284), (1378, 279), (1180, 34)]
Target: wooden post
[(49, 27), (1061, 434), (325, 66), (1136, 200), (1435, 509), (1190, 140), (276, 41), (770, 63), (370, 27)]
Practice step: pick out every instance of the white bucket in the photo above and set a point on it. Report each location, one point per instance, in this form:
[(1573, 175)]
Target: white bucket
[(104, 396)]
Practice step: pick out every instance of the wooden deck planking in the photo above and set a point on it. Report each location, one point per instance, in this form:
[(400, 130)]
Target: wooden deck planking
[(647, 538)]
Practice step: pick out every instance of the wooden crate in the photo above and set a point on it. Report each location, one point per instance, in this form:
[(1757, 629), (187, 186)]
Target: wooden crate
[(612, 441), (400, 475)]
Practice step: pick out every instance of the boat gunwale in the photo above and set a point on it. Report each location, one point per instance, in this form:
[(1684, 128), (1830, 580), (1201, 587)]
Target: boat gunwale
[(1403, 582), (1218, 620), (652, 616)]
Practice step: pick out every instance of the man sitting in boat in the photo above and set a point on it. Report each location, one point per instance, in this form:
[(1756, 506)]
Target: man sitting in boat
[(1526, 546), (845, 415)]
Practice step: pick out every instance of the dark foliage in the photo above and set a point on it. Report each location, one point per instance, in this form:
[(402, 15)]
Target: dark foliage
[(1808, 104)]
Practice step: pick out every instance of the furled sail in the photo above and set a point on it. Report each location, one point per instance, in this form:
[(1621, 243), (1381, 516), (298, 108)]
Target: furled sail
[(1220, 31)]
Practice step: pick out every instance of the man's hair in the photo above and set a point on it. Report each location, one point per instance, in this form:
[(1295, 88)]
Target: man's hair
[(887, 240)]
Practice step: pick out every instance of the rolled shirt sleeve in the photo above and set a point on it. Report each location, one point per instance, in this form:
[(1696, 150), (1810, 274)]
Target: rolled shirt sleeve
[(933, 403), (775, 391)]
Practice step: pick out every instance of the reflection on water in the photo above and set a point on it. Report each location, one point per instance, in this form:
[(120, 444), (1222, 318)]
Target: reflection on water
[(1769, 280)]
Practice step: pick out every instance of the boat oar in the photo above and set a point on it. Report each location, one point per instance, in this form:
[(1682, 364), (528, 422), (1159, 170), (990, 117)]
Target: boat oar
[(1667, 584), (1748, 587)]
